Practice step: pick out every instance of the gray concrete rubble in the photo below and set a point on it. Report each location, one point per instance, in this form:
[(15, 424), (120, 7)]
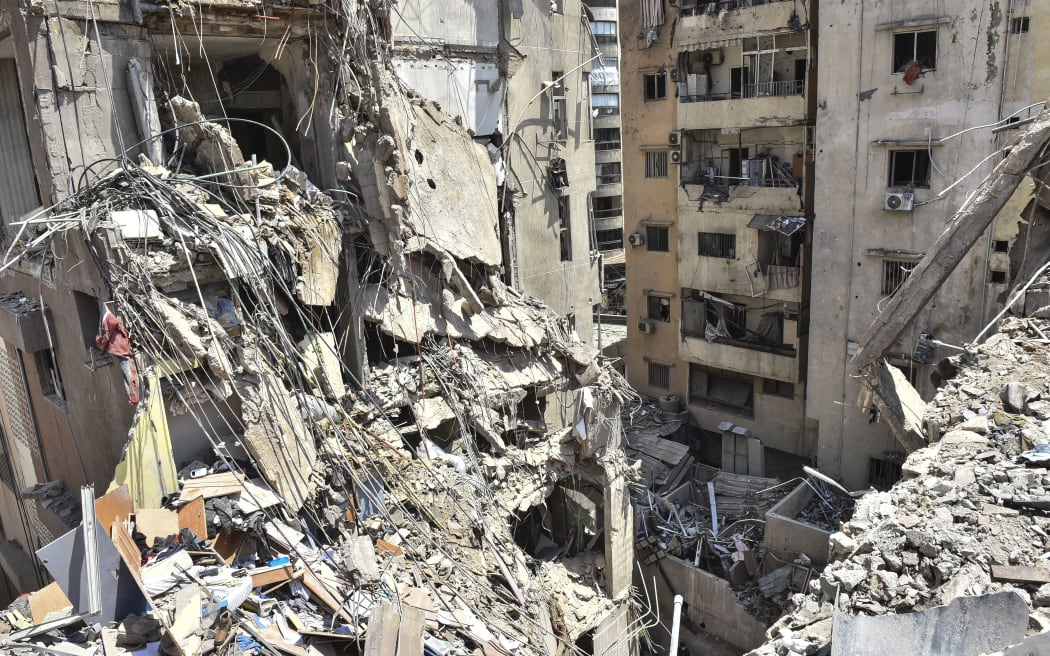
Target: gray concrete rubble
[(347, 432), (945, 560)]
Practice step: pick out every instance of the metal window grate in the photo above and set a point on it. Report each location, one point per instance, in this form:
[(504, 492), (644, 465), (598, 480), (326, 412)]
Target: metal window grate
[(657, 238), (883, 473), (656, 164), (659, 375), (894, 273), (717, 244)]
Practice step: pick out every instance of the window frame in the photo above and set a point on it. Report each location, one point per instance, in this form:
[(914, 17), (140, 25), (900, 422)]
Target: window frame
[(652, 300), (565, 228), (665, 372), (654, 86), (892, 181), (657, 164), (1020, 24), (660, 245), (716, 239), (902, 66), (889, 276)]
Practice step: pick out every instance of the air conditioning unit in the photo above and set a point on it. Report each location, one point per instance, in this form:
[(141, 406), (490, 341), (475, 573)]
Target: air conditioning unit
[(676, 156), (903, 201), (646, 326), (636, 239), (674, 138)]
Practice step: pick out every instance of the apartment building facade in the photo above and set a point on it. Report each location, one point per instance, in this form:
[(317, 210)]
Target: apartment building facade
[(518, 76), (718, 106), (797, 198)]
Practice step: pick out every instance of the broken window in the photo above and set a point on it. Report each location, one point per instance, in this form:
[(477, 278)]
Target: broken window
[(918, 47), (50, 379), (656, 86), (716, 244), (659, 308), (909, 168), (659, 375), (1001, 246), (657, 238), (607, 173), (722, 388), (605, 104), (1019, 25), (997, 278), (779, 388), (564, 228), (656, 164), (884, 472), (894, 273), (605, 207), (559, 107), (604, 31), (607, 138)]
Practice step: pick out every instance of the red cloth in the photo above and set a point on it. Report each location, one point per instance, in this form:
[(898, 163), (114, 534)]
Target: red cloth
[(113, 337), (912, 73)]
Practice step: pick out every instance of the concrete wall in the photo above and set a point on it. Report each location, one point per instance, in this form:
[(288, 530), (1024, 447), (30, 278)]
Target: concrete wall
[(553, 42), (861, 100), (447, 23), (786, 537)]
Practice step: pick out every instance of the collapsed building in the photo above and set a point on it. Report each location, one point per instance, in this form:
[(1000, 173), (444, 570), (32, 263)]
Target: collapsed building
[(262, 321)]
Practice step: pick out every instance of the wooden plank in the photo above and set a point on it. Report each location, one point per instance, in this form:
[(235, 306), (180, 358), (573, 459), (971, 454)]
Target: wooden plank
[(129, 551), (267, 576), (322, 594), (47, 599), (193, 516), (214, 485), (1019, 574), (227, 545), (156, 523), (112, 507)]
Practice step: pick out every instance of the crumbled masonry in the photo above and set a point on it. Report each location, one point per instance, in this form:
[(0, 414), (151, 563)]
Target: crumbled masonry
[(378, 467), (967, 521)]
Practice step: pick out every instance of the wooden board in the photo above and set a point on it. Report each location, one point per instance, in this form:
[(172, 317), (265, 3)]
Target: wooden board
[(156, 523), (46, 600), (1016, 574), (129, 551), (227, 546), (267, 576), (214, 485), (193, 517), (112, 507)]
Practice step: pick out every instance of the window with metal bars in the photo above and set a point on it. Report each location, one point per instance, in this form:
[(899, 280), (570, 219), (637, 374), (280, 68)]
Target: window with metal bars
[(894, 273), (659, 375), (657, 238), (656, 164), (716, 244), (909, 168), (656, 86)]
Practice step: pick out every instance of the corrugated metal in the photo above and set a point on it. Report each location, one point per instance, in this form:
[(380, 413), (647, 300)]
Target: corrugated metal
[(18, 193)]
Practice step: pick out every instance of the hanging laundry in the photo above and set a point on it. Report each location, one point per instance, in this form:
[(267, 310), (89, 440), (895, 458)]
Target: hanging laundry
[(912, 73), (113, 338)]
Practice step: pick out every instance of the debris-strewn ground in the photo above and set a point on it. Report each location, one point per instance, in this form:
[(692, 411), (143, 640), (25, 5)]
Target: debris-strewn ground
[(968, 503)]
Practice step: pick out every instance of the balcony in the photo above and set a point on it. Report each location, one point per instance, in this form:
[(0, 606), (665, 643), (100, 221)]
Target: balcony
[(757, 90), (703, 22), (742, 357), (770, 106)]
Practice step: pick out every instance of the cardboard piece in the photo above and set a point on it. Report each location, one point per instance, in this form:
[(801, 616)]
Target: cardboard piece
[(47, 599), (114, 506), (156, 523), (214, 485)]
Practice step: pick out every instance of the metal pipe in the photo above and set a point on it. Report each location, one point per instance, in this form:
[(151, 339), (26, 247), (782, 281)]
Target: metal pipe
[(676, 623)]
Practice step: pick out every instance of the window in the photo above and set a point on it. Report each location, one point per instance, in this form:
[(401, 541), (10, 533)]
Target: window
[(659, 375), (607, 138), (716, 244), (998, 278), (606, 104), (605, 207), (656, 164), (884, 472), (1001, 246), (920, 47), (656, 86), (604, 31), (779, 388), (1019, 25), (559, 106), (609, 240), (657, 238), (894, 273), (658, 308), (564, 228), (909, 168), (722, 388), (50, 380), (608, 173)]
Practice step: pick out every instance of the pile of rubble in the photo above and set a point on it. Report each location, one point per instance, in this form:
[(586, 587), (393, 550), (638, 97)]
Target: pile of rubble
[(968, 519), (367, 426)]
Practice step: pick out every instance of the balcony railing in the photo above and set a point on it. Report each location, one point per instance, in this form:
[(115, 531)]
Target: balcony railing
[(609, 179), (607, 145), (696, 7), (756, 90), (608, 214), (725, 182)]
